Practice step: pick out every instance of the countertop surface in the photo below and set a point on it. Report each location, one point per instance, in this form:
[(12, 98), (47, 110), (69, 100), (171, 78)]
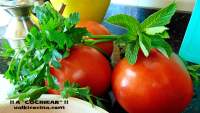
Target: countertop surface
[(177, 30)]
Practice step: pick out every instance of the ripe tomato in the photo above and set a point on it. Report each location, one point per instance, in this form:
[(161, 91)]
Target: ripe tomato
[(85, 66), (155, 84), (98, 29)]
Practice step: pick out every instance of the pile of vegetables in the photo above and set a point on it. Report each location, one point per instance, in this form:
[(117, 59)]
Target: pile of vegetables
[(63, 56)]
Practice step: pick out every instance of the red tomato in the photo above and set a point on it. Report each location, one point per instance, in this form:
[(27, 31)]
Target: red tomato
[(153, 85), (85, 66), (98, 29)]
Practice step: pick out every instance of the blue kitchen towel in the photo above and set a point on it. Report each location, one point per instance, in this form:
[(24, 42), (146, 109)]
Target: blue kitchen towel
[(190, 48)]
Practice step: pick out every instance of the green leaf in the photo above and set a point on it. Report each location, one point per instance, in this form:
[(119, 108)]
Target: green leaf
[(5, 49), (36, 92), (155, 30), (131, 52), (74, 89), (47, 56), (164, 35), (100, 104), (194, 71), (33, 93), (145, 44), (40, 53), (160, 18), (56, 54), (60, 38), (52, 82), (34, 74), (55, 63), (48, 17), (126, 21), (72, 20), (194, 68), (162, 46), (77, 34), (66, 54)]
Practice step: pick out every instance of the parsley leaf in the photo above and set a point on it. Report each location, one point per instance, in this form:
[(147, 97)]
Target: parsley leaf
[(73, 89)]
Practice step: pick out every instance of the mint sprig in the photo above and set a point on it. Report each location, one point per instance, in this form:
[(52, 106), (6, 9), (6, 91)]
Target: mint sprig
[(146, 35)]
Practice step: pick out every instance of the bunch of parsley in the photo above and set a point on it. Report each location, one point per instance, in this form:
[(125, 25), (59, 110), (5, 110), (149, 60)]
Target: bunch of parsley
[(44, 46)]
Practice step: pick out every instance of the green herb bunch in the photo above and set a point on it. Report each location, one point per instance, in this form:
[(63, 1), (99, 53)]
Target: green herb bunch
[(149, 34), (44, 47), (51, 42)]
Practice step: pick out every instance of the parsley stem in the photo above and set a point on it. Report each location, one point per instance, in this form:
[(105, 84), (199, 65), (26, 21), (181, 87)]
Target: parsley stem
[(20, 65)]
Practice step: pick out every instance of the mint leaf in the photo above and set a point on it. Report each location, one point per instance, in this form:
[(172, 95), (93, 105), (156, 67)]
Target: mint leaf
[(163, 35), (126, 21), (131, 52), (160, 18), (145, 44), (162, 46), (155, 30)]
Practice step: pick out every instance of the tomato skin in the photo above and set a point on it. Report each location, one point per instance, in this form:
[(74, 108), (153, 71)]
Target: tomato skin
[(87, 67), (152, 85), (98, 29), (53, 91)]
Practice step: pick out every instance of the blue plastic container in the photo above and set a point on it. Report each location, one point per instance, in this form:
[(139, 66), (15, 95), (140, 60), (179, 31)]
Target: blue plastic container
[(190, 48)]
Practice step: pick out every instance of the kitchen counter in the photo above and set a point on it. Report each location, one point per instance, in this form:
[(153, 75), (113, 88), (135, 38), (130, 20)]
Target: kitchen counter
[(177, 30)]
